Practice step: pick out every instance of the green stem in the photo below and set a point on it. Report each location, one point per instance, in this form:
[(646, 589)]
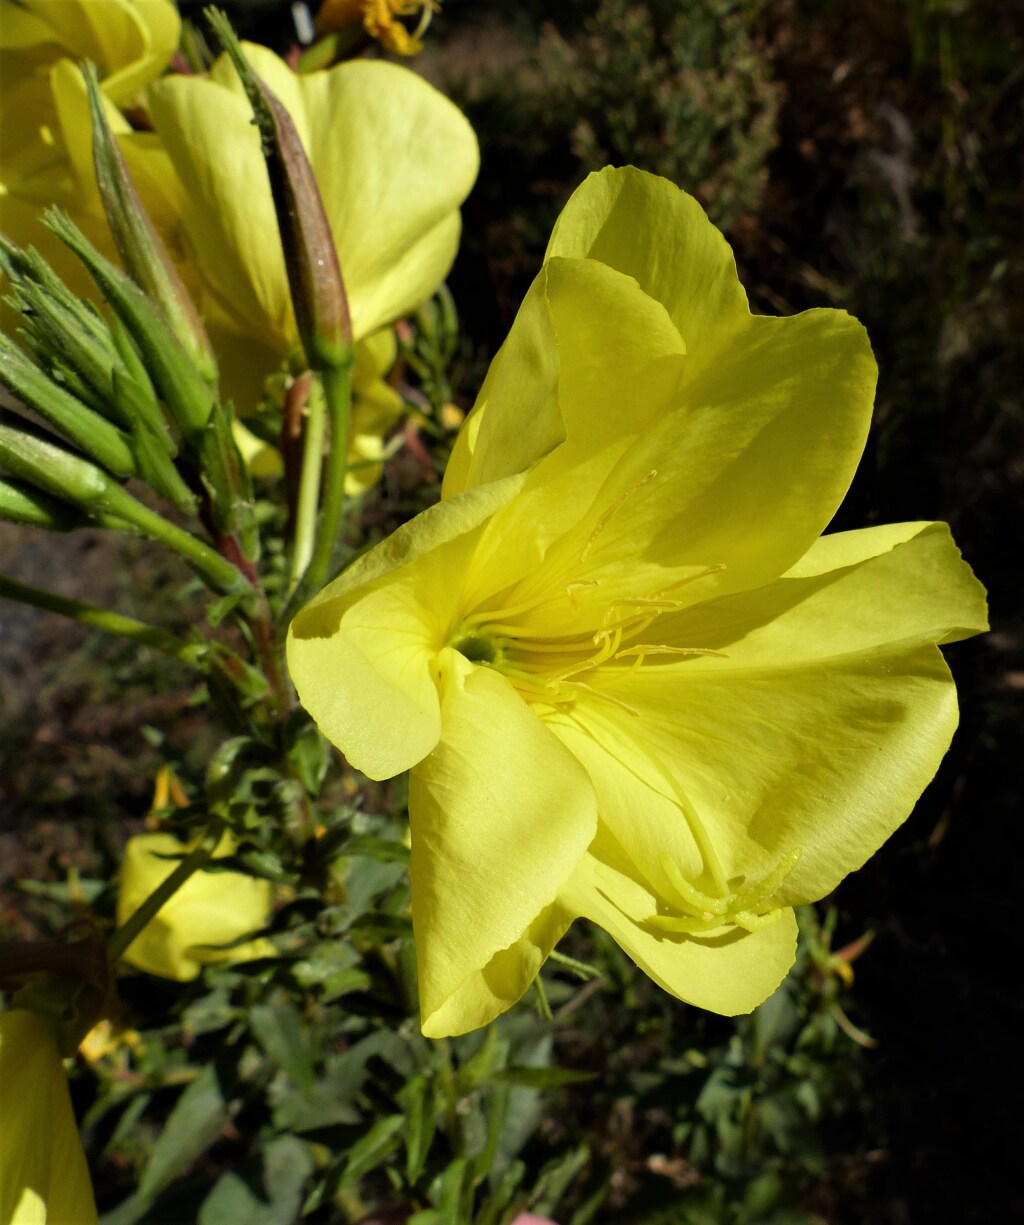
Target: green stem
[(309, 483), (99, 618), (198, 858), (222, 575), (337, 381)]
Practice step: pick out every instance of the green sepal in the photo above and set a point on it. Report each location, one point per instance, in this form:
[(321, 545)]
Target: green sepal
[(140, 247), (94, 434), (178, 381), (229, 483)]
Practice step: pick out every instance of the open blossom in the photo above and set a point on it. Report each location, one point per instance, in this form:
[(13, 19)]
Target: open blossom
[(380, 19), (43, 1175), (393, 160), (209, 910), (45, 141), (631, 679)]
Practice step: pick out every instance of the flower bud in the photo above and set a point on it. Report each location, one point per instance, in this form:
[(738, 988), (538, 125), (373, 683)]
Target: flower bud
[(95, 435), (314, 276), (142, 252), (177, 379)]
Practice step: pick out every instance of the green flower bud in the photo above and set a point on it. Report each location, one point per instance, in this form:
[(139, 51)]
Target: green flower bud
[(84, 427), (141, 250), (182, 387), (314, 276)]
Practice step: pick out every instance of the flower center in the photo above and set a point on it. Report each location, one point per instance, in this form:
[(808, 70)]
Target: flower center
[(550, 667)]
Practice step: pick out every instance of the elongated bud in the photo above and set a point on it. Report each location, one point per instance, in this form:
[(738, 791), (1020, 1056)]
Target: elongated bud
[(314, 276), (141, 249), (71, 479), (94, 434), (182, 387)]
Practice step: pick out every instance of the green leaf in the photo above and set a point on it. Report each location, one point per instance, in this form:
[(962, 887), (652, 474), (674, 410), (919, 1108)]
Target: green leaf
[(265, 1193), (281, 1033), (371, 1149), (421, 1123), (542, 1078), (195, 1122)]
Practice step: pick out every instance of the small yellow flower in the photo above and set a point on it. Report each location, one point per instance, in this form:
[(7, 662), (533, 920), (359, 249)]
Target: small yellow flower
[(43, 1176), (209, 910), (380, 20), (631, 679)]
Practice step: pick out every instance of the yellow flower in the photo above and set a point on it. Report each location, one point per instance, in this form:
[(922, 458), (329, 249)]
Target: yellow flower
[(630, 680), (210, 909), (45, 140), (380, 20), (393, 160), (43, 1175)]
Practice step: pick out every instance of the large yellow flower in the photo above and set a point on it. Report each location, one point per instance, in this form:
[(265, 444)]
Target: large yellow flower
[(631, 679), (45, 139), (393, 160), (43, 1175)]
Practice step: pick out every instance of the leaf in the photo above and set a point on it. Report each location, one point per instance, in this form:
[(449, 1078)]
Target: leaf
[(281, 1033), (195, 1122), (265, 1193), (421, 1123), (371, 1149), (542, 1078)]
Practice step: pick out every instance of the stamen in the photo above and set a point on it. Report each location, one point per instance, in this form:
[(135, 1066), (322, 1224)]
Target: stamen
[(652, 649), (611, 512), (607, 697), (692, 578)]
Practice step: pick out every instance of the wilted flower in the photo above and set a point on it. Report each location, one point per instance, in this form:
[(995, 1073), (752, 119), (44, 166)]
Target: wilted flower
[(393, 160), (43, 1175), (210, 909), (630, 680)]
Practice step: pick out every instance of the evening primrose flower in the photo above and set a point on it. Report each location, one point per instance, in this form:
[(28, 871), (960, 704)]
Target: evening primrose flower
[(210, 909), (630, 678), (43, 1175), (380, 19), (393, 160), (45, 140)]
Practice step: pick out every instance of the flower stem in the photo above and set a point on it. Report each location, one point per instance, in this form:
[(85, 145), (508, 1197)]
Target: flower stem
[(197, 858), (309, 483), (337, 382), (100, 618)]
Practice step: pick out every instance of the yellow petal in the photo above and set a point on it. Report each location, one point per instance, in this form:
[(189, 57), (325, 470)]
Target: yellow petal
[(645, 227), (210, 909), (500, 816), (361, 653), (43, 1175), (814, 734), (727, 974), (485, 994), (393, 159)]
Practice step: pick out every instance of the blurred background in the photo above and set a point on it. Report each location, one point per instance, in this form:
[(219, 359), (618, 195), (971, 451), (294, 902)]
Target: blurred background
[(861, 154)]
